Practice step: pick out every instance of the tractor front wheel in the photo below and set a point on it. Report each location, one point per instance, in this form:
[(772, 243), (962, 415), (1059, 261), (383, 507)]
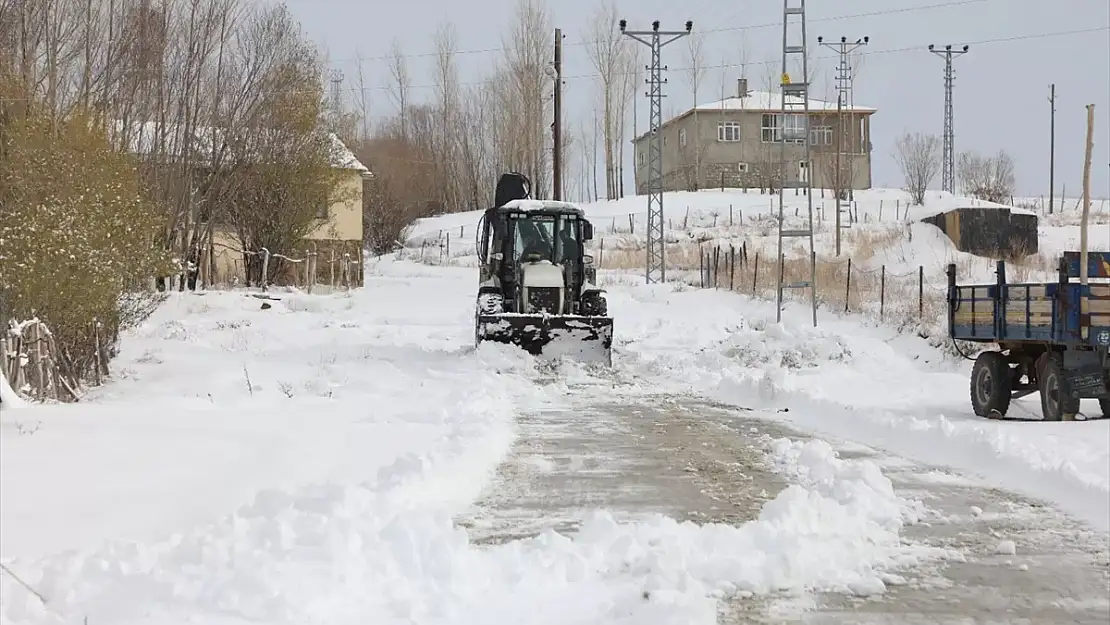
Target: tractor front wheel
[(594, 305)]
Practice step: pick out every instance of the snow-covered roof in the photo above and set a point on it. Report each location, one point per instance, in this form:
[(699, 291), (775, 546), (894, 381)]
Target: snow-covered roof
[(762, 102), (772, 102), (145, 137)]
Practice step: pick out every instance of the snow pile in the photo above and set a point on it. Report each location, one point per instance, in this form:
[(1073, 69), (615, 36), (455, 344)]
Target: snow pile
[(856, 382), (341, 553), (8, 397), (215, 400)]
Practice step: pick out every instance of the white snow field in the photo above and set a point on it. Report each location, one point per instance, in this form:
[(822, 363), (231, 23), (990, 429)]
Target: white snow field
[(853, 377), (303, 464)]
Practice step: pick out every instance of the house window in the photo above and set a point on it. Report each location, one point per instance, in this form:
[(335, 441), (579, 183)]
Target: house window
[(323, 208), (640, 159), (795, 128), (821, 135), (682, 138), (772, 128), (742, 168), (728, 131)]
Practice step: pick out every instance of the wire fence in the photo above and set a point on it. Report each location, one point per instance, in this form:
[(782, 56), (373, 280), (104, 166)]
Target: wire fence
[(227, 266), (905, 297)]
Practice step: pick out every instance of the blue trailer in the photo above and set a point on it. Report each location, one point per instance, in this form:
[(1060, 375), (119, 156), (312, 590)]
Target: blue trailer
[(1052, 338)]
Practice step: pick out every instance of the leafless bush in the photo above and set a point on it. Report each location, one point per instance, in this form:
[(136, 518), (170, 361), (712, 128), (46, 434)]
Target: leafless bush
[(988, 178), (918, 156)]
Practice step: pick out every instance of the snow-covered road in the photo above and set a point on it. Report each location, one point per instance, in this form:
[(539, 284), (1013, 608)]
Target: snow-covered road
[(306, 464)]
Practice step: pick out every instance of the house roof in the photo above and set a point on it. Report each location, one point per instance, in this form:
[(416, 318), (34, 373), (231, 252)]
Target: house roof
[(762, 102), (145, 136)]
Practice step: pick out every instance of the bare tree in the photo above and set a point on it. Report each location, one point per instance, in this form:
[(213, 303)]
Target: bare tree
[(402, 83), (695, 74), (607, 53), (526, 94), (447, 93), (918, 156), (988, 178)]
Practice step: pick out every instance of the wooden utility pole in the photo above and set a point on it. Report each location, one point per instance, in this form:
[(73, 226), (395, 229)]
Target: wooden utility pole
[(1086, 195), (557, 125), (1052, 147)]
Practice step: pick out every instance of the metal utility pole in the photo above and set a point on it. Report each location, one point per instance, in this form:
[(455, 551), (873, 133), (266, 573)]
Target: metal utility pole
[(336, 102), (557, 125), (795, 110), (844, 112), (948, 158), (655, 39), (1051, 146)]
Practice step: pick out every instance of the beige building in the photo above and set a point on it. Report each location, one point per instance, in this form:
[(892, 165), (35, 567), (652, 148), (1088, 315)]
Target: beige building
[(738, 142), (337, 232)]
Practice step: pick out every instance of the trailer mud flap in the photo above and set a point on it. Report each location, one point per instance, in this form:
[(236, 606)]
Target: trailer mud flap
[(583, 339)]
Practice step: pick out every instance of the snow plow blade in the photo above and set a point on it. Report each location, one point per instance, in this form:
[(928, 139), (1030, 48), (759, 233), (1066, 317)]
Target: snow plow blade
[(582, 339)]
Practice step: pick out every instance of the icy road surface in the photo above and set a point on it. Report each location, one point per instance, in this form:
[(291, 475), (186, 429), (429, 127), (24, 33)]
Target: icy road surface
[(319, 462), (966, 551)]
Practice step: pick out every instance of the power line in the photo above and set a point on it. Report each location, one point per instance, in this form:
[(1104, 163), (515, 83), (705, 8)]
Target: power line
[(915, 48), (725, 29)]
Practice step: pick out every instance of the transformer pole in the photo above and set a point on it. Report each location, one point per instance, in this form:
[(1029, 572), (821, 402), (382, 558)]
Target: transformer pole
[(336, 102), (948, 164), (655, 39), (1051, 147), (795, 109), (843, 99), (557, 125)]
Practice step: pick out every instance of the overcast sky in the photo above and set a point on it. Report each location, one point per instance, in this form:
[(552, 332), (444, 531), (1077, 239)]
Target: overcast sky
[(1002, 84)]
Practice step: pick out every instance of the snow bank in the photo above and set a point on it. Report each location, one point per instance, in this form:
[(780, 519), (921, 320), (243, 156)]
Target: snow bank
[(861, 383), (383, 549), (8, 397), (215, 400)]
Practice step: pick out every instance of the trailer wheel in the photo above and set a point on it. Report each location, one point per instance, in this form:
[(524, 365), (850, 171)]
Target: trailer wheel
[(991, 387), (1056, 403)]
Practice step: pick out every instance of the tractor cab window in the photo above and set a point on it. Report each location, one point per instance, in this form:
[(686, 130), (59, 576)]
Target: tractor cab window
[(546, 237)]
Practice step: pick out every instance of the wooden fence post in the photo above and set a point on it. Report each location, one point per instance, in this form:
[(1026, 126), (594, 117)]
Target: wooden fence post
[(920, 291), (848, 285), (882, 291)]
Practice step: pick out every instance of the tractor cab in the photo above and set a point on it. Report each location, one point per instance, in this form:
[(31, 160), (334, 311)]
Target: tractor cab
[(535, 233)]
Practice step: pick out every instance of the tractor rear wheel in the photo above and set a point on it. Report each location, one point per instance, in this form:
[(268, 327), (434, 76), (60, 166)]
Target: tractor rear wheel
[(991, 387)]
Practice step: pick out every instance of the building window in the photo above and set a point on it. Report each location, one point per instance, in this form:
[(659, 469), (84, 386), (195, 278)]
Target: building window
[(795, 129), (640, 159), (821, 135), (728, 131), (772, 128), (323, 208), (742, 168)]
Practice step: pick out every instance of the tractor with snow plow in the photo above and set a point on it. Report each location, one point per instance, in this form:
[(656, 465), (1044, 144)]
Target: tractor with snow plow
[(1053, 338), (537, 285)]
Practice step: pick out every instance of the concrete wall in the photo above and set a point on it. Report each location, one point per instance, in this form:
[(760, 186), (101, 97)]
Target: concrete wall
[(720, 160)]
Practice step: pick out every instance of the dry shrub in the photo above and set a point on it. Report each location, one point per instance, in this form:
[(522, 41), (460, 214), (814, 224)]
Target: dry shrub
[(897, 300)]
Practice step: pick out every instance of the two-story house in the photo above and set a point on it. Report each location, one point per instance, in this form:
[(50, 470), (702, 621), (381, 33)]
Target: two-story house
[(738, 142)]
